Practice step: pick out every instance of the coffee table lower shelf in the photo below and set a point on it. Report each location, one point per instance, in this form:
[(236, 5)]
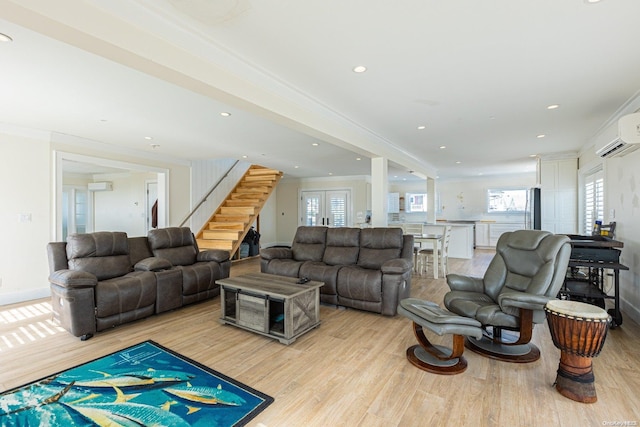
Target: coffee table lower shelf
[(270, 305)]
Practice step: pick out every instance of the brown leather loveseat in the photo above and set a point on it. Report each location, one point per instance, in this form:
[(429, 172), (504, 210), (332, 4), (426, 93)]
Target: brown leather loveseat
[(368, 269), (104, 279)]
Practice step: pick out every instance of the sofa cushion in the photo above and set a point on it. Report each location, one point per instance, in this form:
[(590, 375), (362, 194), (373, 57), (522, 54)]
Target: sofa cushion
[(328, 274), (379, 245), (104, 254), (360, 284), (343, 246), (176, 244), (127, 293), (309, 243)]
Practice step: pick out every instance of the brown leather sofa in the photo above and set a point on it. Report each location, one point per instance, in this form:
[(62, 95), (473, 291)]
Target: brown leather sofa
[(104, 279), (368, 269)]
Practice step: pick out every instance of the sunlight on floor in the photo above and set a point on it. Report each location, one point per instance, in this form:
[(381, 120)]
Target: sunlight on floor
[(32, 322)]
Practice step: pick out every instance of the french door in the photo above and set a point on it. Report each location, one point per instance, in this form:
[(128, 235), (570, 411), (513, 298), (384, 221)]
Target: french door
[(326, 207)]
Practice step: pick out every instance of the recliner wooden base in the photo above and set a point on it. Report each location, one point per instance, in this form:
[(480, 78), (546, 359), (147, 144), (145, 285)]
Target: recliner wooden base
[(521, 353), (435, 358)]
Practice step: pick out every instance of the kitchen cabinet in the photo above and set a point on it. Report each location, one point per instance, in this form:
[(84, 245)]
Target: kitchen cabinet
[(482, 235), (496, 230), (461, 241), (393, 203)]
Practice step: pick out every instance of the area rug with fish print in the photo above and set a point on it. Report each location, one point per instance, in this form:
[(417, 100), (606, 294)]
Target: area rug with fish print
[(143, 385)]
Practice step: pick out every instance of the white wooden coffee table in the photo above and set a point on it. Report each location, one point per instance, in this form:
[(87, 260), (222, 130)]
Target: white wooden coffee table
[(270, 305)]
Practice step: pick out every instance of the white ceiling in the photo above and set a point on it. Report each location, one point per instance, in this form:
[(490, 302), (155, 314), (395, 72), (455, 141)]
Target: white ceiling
[(477, 74)]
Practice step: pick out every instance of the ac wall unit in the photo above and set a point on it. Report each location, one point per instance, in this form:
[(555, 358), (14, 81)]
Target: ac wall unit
[(627, 140), (100, 186)]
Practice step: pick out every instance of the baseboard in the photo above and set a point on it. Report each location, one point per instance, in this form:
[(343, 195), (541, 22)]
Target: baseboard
[(17, 297), (628, 309)]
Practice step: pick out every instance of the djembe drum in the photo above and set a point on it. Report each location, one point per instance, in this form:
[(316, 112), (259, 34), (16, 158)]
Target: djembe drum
[(579, 331)]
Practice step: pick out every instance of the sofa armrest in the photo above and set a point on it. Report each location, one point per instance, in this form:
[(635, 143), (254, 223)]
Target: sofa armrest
[(458, 282), (515, 299), (73, 279), (153, 264), (217, 255), (276, 253), (396, 266)]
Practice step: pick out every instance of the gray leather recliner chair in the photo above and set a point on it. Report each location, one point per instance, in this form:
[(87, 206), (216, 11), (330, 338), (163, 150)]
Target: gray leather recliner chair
[(527, 271)]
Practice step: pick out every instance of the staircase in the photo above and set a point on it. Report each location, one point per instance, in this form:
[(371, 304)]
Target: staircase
[(232, 220)]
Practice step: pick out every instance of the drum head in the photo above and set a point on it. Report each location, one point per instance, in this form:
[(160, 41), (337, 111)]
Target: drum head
[(576, 309)]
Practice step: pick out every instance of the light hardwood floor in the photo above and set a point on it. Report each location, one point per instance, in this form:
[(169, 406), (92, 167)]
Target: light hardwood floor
[(352, 370)]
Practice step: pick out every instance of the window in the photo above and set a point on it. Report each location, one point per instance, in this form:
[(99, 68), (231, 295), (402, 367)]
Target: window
[(593, 199), (506, 200)]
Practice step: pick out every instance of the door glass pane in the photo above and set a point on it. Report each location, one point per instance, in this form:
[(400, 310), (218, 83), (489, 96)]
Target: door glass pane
[(337, 209), (65, 213), (313, 207), (81, 211)]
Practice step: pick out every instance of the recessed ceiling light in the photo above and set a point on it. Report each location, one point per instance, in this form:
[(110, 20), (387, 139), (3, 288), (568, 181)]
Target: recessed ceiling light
[(552, 106), (5, 38), (458, 162), (542, 135), (245, 156), (533, 155), (442, 147), (315, 144), (358, 158), (421, 127), (148, 138), (296, 167), (225, 114), (330, 173), (359, 69), (591, 1)]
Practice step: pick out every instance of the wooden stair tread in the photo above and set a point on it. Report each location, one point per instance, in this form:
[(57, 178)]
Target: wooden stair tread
[(221, 234), (235, 215)]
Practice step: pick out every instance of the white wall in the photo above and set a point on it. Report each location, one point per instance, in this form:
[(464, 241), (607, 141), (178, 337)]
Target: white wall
[(123, 208), (25, 188), (622, 198)]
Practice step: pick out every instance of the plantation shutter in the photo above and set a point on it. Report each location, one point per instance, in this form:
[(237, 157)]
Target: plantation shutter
[(594, 199)]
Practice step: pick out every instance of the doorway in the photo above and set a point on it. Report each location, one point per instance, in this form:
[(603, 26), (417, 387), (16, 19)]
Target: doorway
[(151, 204), (326, 207), (96, 165)]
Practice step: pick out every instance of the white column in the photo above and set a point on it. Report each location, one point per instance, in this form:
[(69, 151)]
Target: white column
[(431, 200), (379, 191)]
